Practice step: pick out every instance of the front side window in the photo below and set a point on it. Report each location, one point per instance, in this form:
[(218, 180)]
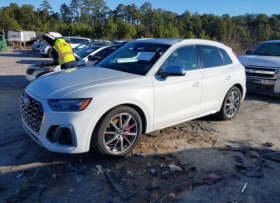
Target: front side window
[(134, 57), (210, 56), (267, 49), (186, 57)]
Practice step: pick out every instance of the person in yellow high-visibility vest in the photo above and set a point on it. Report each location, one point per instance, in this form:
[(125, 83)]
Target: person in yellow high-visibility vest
[(62, 51)]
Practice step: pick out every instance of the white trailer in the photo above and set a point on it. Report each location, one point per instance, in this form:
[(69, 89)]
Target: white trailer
[(21, 36)]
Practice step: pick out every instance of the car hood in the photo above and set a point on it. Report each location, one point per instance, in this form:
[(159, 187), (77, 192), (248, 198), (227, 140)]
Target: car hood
[(62, 83), (256, 60)]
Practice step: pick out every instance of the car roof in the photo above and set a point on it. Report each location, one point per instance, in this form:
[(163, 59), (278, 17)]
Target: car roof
[(273, 41), (93, 47), (76, 37), (171, 41)]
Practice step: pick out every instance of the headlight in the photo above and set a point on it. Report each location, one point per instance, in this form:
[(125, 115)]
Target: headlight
[(68, 104)]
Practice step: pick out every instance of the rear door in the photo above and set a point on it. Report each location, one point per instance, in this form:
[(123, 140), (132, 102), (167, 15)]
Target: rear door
[(217, 71)]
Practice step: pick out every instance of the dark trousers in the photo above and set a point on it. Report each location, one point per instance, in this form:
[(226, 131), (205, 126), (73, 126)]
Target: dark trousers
[(71, 64)]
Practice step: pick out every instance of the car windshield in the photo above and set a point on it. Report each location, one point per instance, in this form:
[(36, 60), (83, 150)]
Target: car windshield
[(134, 57), (82, 53), (267, 49)]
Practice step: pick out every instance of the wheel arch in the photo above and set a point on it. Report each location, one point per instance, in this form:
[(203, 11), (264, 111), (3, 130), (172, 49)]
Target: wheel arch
[(136, 107), (239, 86)]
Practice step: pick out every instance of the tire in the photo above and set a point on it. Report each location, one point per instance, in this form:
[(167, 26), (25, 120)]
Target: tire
[(46, 56), (230, 108), (125, 130)]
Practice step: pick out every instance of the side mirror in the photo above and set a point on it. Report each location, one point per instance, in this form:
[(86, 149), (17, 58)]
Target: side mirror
[(173, 71), (248, 52), (90, 58), (81, 62)]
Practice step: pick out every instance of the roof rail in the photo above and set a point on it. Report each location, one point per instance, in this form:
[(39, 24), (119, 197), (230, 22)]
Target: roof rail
[(143, 38)]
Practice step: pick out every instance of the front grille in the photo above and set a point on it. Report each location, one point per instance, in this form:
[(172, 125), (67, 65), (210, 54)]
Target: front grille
[(261, 72), (30, 71), (32, 112)]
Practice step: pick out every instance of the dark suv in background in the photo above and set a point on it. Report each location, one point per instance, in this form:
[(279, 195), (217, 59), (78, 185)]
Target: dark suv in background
[(262, 68)]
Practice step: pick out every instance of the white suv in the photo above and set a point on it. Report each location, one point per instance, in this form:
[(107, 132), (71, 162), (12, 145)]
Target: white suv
[(144, 86)]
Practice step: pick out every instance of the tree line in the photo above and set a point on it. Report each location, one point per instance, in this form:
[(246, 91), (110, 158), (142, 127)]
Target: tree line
[(94, 19)]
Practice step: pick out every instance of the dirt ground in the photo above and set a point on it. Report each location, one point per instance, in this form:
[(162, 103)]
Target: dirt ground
[(30, 173)]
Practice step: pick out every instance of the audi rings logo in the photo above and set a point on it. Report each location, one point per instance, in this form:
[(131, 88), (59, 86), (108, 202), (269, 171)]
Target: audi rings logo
[(26, 101)]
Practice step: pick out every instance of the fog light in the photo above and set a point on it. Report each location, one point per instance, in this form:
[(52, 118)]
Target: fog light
[(65, 137), (51, 133), (61, 135)]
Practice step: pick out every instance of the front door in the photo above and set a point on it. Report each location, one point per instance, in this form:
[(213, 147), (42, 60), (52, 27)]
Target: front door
[(177, 98)]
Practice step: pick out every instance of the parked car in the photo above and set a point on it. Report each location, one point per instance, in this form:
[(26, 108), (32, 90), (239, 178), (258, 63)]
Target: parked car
[(145, 85), (89, 44), (120, 42), (91, 55), (36, 47), (262, 68), (84, 57), (46, 50), (75, 41)]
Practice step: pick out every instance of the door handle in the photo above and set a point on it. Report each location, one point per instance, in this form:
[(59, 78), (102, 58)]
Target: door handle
[(228, 77), (196, 84)]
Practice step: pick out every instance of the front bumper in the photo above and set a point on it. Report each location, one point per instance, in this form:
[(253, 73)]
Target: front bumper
[(44, 51), (33, 71), (30, 77), (76, 122), (263, 86), (37, 50)]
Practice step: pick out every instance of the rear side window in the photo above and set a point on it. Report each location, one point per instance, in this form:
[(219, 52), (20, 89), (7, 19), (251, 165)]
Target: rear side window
[(210, 57), (227, 59)]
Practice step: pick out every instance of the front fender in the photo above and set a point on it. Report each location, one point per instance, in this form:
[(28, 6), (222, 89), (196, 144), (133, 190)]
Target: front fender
[(99, 112)]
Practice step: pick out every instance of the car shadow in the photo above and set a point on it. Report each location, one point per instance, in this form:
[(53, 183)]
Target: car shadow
[(12, 83), (83, 175), (260, 97), (21, 53), (33, 61)]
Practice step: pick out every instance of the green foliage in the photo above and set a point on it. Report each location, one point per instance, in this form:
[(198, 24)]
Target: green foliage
[(93, 18)]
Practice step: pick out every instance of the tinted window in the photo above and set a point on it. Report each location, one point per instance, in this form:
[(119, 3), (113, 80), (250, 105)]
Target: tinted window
[(267, 49), (82, 53), (210, 57), (185, 57), (227, 59), (105, 52)]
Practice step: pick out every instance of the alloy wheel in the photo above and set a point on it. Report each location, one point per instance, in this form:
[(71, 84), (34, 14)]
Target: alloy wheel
[(232, 104), (120, 133)]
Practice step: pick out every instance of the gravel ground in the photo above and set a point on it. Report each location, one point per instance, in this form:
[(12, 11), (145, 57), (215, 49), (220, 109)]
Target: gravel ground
[(30, 173)]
